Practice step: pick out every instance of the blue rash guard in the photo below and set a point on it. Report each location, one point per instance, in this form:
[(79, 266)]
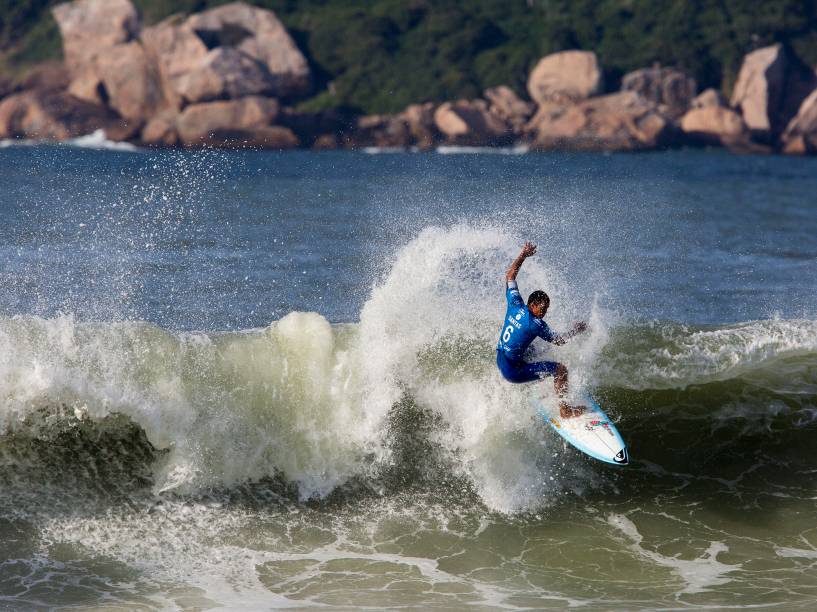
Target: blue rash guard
[(519, 329)]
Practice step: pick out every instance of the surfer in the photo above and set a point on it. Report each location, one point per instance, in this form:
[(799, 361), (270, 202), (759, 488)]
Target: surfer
[(521, 326)]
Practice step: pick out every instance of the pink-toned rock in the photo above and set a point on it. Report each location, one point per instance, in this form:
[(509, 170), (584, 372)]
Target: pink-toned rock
[(90, 27), (758, 92), (326, 142), (48, 115), (419, 118), (800, 136), (244, 122), (620, 122), (161, 131), (129, 81), (715, 125), (504, 103), (177, 51), (224, 72), (469, 122), (564, 77), (259, 34), (384, 131), (707, 98), (669, 88)]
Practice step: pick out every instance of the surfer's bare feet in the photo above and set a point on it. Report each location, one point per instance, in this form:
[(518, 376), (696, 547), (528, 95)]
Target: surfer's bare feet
[(567, 411)]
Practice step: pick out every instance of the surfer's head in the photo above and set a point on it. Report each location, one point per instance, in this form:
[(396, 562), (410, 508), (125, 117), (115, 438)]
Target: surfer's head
[(538, 303)]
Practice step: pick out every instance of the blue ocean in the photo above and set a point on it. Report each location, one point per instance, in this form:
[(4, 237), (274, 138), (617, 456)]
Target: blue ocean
[(267, 380)]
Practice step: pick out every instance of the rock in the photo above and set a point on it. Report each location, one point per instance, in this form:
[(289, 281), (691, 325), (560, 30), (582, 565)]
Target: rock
[(620, 122), (107, 65), (758, 92), (234, 122), (715, 125), (224, 72), (564, 77), (326, 142), (800, 135), (669, 88), (419, 118), (504, 103), (260, 35), (707, 98), (161, 130), (91, 27), (127, 81), (469, 122), (177, 51), (57, 116), (384, 131)]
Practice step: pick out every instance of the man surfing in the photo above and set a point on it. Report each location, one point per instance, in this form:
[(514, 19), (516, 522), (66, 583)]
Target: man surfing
[(521, 326)]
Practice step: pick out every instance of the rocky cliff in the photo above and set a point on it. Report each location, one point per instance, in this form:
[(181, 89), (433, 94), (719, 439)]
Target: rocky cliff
[(232, 76)]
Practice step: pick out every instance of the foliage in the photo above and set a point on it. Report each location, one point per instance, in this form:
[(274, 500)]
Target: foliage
[(384, 54)]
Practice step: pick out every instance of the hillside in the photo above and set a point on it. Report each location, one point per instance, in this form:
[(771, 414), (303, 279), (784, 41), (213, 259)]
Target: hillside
[(381, 56)]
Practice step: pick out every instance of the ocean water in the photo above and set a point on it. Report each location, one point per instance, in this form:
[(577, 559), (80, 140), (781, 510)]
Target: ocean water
[(262, 380)]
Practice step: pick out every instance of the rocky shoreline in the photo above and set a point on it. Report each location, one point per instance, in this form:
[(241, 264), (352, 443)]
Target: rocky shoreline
[(233, 77)]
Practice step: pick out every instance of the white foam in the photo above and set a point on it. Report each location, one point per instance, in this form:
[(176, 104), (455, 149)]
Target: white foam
[(310, 401), (519, 149), (698, 574), (99, 140)]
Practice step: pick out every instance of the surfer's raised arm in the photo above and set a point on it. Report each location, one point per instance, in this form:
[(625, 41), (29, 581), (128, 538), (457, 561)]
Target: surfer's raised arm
[(528, 250)]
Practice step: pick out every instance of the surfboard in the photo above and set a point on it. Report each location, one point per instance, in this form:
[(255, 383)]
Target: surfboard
[(591, 432)]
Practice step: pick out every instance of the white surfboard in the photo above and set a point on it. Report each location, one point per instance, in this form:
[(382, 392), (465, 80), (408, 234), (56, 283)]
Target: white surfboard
[(591, 432)]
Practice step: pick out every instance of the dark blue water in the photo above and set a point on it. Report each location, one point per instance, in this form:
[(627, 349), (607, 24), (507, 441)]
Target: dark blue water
[(207, 240)]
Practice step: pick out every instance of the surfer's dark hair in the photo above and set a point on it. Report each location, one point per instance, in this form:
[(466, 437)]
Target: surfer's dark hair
[(539, 297)]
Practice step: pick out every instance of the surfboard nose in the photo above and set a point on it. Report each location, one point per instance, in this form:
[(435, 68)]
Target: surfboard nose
[(621, 457)]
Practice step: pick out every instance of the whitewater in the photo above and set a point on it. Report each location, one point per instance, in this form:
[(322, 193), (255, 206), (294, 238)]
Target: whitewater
[(268, 380)]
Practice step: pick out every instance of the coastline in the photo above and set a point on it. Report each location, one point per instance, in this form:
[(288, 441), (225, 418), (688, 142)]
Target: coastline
[(234, 77)]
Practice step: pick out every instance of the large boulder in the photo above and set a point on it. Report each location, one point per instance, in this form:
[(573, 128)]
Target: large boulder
[(758, 92), (127, 81), (258, 34), (800, 135), (469, 122), (91, 27), (715, 125), (669, 88), (160, 130), (621, 122), (178, 52), (419, 119), (244, 122), (224, 72), (504, 103), (382, 131), (49, 115), (708, 97), (564, 77), (107, 64)]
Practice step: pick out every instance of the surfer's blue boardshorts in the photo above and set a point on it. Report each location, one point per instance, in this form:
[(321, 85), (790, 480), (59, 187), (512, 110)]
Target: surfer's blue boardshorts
[(522, 372)]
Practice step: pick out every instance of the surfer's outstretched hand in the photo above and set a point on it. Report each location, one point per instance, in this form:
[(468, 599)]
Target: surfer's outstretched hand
[(528, 249), (579, 327)]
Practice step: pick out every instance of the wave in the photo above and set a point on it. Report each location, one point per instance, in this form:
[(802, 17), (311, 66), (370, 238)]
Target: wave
[(409, 395), (98, 139), (518, 149)]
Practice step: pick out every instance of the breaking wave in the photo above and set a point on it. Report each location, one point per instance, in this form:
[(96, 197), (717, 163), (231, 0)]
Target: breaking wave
[(407, 395)]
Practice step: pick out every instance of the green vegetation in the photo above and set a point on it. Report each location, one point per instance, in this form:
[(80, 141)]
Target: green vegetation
[(381, 55)]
